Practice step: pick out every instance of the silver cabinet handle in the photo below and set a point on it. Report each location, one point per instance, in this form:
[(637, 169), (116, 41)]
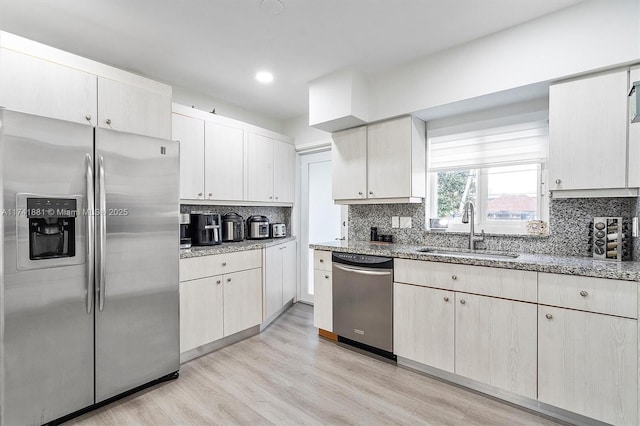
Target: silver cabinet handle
[(454, 277), (462, 302), (91, 206), (224, 263), (360, 193), (108, 121), (228, 280), (199, 194), (326, 277), (87, 117), (558, 181), (548, 316), (218, 281), (321, 260), (584, 293), (446, 299), (210, 194), (276, 198), (102, 273), (370, 192)]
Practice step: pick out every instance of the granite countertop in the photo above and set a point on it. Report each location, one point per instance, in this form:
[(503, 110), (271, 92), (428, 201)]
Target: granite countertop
[(583, 266), (232, 247)]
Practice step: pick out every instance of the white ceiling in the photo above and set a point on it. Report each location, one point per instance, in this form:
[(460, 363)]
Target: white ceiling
[(216, 46)]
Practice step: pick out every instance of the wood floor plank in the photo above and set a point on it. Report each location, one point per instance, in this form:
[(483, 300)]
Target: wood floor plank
[(288, 375)]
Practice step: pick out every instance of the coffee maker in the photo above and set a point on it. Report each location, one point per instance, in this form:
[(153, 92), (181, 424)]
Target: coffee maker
[(185, 231), (205, 229)]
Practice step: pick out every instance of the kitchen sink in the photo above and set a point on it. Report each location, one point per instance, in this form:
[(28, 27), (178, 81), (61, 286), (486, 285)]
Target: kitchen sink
[(467, 253)]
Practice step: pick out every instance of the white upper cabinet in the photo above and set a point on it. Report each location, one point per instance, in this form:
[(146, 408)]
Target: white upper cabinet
[(284, 171), (634, 138), (588, 134), (270, 169), (190, 132), (349, 164), (45, 88), (42, 80), (259, 168), (233, 162), (224, 162), (133, 109), (380, 163)]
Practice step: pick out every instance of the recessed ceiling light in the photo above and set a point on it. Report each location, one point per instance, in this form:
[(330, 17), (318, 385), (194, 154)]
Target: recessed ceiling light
[(264, 77), (272, 7)]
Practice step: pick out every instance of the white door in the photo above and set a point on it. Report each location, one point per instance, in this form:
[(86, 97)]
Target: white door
[(322, 220)]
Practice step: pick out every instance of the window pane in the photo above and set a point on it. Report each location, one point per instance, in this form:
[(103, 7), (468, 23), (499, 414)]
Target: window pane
[(512, 193), (454, 189)]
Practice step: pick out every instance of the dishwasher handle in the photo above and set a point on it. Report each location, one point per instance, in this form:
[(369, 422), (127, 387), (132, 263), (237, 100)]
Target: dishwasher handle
[(362, 271)]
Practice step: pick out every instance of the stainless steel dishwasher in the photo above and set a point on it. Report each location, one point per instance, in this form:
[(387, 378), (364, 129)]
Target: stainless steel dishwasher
[(363, 302)]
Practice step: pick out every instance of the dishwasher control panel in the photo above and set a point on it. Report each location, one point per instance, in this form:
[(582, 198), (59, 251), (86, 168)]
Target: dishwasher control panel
[(363, 260)]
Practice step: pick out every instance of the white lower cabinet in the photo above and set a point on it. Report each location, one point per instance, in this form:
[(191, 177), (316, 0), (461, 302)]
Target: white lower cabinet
[(495, 342), (423, 325), (201, 304), (322, 291), (242, 300), (220, 295), (280, 277), (588, 364)]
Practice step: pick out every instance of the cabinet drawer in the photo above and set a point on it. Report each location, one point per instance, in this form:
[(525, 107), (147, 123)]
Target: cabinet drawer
[(322, 260), (207, 266), (496, 282), (598, 295)]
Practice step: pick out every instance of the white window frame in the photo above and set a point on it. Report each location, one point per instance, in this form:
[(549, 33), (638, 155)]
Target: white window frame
[(482, 223)]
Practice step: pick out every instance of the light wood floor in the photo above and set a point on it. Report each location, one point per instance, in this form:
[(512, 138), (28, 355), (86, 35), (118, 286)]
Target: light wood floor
[(289, 376)]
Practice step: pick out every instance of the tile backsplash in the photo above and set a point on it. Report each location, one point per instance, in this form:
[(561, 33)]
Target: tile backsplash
[(568, 226), (274, 214)]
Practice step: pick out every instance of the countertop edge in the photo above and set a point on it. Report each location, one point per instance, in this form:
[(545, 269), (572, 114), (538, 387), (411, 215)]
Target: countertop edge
[(567, 265), (200, 251)]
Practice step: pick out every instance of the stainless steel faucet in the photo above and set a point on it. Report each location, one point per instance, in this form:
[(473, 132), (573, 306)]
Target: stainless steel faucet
[(470, 212)]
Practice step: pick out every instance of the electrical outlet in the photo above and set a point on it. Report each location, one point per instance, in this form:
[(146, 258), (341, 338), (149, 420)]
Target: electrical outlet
[(395, 221), (405, 222)]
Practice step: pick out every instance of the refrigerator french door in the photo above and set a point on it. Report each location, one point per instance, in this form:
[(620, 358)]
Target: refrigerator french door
[(90, 267)]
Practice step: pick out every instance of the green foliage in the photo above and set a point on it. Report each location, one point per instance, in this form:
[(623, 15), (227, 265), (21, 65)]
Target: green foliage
[(451, 186)]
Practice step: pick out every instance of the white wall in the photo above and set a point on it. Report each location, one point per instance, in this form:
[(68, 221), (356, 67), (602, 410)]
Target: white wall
[(306, 137), (589, 36), (185, 96)]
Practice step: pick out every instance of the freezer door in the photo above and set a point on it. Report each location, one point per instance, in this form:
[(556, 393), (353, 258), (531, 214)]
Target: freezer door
[(137, 255), (48, 316)]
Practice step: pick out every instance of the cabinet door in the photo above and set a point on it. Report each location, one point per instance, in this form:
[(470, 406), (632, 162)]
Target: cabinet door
[(132, 109), (284, 172), (201, 312), (588, 364), (40, 87), (389, 159), (495, 342), (634, 138), (349, 164), (224, 167), (273, 280), (588, 132), (423, 325), (242, 300), (259, 168), (289, 272), (322, 300), (190, 132)]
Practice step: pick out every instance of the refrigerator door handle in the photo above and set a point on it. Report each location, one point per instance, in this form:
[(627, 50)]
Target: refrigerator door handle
[(103, 231), (90, 217)]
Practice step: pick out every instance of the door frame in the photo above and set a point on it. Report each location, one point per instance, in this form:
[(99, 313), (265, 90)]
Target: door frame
[(319, 154)]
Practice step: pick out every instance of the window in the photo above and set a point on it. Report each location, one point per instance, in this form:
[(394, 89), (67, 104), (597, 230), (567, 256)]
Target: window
[(498, 168)]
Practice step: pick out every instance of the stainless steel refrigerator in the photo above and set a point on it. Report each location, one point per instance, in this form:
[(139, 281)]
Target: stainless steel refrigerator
[(90, 269)]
